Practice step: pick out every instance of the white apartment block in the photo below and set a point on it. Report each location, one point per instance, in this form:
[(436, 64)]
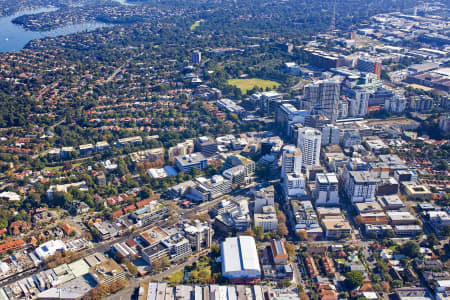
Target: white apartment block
[(361, 186), (291, 161), (309, 142)]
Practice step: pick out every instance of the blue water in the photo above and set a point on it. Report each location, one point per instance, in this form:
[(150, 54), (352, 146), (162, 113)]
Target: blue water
[(14, 37)]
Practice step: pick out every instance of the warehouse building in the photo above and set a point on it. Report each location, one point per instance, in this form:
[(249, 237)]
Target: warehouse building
[(240, 263)]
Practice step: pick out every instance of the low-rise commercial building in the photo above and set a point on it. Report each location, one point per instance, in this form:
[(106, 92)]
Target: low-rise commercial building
[(279, 253), (416, 191), (267, 219), (336, 228), (401, 218)]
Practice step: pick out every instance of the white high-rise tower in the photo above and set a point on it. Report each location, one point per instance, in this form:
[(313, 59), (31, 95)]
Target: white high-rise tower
[(309, 142), (291, 161)]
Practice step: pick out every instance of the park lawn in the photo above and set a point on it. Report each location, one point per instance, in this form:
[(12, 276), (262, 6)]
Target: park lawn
[(195, 25), (57, 168), (176, 278), (247, 84)]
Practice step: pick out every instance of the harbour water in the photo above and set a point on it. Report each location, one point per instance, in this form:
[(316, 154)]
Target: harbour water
[(14, 37)]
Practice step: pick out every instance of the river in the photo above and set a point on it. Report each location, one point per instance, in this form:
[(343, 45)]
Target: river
[(14, 37)]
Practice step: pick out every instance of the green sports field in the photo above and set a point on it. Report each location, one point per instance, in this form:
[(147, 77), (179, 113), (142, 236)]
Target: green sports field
[(247, 84)]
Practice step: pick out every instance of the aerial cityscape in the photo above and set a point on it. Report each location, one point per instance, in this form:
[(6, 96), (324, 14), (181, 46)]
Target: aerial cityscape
[(225, 149)]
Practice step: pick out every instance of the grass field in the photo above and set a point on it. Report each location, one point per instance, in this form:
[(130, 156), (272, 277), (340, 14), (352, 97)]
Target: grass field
[(57, 168), (420, 87), (195, 25), (247, 84)]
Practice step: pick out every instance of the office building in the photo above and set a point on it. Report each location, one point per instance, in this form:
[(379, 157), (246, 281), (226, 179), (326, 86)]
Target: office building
[(232, 215), (206, 145), (322, 59), (108, 273), (416, 191), (361, 186), (407, 230), (181, 149), (148, 214), (359, 102), (350, 138), (401, 218), (199, 234), (239, 160), (380, 96), (331, 135), (266, 219), (395, 104), (286, 115), (326, 190), (294, 184), (209, 189), (196, 57), (175, 246), (263, 197), (370, 66), (106, 230), (185, 163), (336, 228), (342, 111), (309, 142), (391, 202), (444, 123), (237, 175), (323, 96), (268, 101), (50, 248)]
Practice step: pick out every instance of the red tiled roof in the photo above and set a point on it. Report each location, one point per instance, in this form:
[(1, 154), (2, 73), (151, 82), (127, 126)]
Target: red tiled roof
[(11, 245)]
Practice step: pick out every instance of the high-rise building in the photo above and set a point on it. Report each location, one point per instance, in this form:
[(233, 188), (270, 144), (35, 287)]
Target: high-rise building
[(310, 95), (196, 57), (331, 135), (343, 106), (359, 102), (351, 137), (309, 142), (323, 96), (444, 123), (328, 100), (395, 104), (287, 115), (291, 161), (420, 103), (379, 96), (361, 186), (294, 184), (326, 189), (268, 101), (370, 66)]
